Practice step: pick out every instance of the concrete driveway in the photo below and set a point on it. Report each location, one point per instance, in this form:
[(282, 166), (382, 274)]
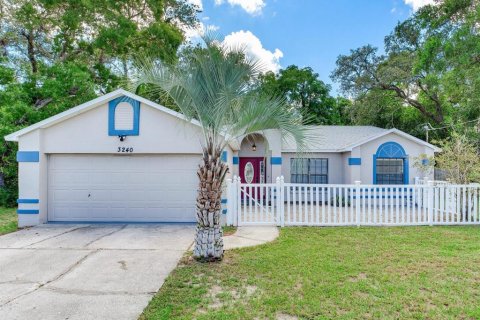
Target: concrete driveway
[(84, 271)]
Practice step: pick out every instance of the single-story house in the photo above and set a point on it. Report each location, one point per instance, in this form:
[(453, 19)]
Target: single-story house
[(123, 158)]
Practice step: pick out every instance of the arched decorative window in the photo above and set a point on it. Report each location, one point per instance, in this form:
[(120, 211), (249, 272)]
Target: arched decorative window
[(391, 150), (390, 164), (123, 117)]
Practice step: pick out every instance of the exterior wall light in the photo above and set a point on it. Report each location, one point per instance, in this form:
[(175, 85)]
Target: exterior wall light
[(122, 137), (254, 147)]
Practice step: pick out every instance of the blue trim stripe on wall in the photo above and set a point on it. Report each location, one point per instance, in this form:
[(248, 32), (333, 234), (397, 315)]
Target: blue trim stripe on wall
[(276, 160), (224, 156), (235, 160), (28, 201), (27, 211), (111, 117), (28, 156), (354, 161)]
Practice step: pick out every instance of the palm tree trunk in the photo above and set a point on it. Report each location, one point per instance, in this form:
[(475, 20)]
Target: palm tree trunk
[(208, 239)]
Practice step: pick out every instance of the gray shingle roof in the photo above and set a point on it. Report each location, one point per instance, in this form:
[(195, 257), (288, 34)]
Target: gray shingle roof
[(334, 138)]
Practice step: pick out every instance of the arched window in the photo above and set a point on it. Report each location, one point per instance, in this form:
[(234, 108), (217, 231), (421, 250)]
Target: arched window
[(390, 164), (123, 117)]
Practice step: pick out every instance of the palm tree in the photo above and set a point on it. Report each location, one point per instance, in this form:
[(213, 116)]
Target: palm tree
[(213, 85)]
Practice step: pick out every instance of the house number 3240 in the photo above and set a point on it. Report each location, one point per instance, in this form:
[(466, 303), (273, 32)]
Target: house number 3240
[(125, 149)]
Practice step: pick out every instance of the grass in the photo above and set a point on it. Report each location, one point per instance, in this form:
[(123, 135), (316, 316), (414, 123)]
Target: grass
[(8, 220), (324, 273), (229, 230)]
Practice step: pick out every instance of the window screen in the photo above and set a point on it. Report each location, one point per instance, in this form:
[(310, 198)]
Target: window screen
[(313, 170), (389, 171)]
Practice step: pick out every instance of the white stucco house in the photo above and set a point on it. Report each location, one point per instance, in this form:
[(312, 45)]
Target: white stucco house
[(123, 158)]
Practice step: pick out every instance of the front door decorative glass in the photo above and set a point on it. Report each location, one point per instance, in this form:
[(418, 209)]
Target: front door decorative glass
[(249, 172)]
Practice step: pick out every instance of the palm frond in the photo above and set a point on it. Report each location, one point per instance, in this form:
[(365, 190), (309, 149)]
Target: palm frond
[(213, 86)]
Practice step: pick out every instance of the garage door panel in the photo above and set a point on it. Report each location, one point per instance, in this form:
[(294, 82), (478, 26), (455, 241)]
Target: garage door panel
[(152, 188), (99, 195), (129, 195), (100, 178), (177, 195), (70, 195), (66, 178), (77, 211)]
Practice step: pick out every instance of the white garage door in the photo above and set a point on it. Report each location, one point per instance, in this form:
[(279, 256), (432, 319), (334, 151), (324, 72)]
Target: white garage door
[(149, 188)]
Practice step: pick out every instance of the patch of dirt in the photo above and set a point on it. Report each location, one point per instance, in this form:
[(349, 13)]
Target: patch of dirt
[(236, 294), (361, 276), (284, 316), (251, 290), (213, 293)]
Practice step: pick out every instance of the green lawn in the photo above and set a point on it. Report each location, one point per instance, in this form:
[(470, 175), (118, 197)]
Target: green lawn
[(323, 273), (8, 220)]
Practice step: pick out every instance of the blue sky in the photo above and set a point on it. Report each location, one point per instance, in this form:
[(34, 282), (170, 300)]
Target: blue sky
[(305, 32)]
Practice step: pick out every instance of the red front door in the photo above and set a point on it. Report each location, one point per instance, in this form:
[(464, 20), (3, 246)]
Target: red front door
[(252, 169)]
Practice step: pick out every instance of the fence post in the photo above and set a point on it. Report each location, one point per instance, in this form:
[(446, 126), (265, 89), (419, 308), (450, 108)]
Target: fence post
[(357, 202), (229, 202), (238, 202), (277, 201), (282, 201), (430, 195)]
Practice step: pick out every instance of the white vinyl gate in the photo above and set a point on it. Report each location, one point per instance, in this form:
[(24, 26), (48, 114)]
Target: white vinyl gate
[(288, 204)]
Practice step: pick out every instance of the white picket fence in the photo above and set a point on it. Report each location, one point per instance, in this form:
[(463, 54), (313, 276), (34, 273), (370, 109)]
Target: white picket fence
[(290, 204)]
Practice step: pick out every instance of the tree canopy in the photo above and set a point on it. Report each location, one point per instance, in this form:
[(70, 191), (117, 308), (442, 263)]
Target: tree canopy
[(429, 71), (56, 54), (306, 93)]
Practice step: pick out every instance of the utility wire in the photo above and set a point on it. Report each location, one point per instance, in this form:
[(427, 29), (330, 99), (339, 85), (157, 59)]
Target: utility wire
[(428, 127)]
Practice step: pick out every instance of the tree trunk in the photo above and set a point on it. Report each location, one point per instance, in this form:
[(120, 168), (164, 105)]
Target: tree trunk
[(31, 50), (208, 239)]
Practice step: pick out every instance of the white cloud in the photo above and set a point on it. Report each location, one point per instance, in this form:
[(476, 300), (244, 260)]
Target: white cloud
[(193, 34), (253, 7), (197, 3), (254, 49), (417, 4)]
